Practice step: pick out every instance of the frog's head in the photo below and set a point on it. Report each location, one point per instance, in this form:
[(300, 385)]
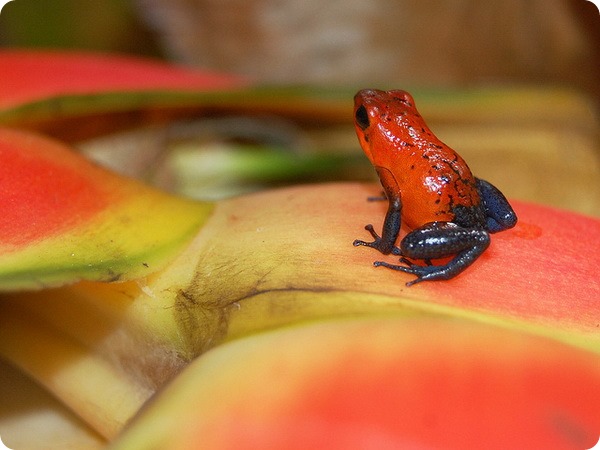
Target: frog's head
[(378, 118)]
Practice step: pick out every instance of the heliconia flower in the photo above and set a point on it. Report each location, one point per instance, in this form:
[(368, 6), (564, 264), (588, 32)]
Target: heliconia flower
[(112, 288), (257, 262)]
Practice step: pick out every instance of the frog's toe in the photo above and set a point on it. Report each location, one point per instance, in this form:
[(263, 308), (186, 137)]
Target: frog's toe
[(376, 237), (372, 231), (407, 261), (392, 266), (421, 272), (397, 252)]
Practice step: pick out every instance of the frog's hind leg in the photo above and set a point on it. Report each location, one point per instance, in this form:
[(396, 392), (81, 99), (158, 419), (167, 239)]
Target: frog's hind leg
[(438, 240), (499, 214)]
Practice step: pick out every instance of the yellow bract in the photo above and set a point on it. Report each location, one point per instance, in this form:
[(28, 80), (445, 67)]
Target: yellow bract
[(104, 249), (65, 219)]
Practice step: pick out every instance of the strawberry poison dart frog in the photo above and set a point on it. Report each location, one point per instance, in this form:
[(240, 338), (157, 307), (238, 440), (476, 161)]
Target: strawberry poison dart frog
[(428, 186)]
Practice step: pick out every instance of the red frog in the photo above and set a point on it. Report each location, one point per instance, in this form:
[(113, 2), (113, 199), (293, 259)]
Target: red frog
[(428, 186)]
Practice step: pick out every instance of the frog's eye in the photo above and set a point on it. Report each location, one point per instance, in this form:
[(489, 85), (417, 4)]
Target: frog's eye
[(362, 117)]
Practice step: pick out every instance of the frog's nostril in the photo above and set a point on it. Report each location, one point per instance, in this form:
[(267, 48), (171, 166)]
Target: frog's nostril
[(362, 117)]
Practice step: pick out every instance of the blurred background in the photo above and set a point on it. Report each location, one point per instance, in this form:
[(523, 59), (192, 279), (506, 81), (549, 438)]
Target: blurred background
[(534, 63), (426, 42)]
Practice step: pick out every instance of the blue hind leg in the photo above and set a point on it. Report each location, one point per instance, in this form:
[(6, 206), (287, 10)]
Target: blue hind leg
[(499, 214)]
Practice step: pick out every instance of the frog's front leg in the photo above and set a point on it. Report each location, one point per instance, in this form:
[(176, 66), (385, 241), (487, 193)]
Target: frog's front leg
[(393, 218), (391, 229), (439, 240)]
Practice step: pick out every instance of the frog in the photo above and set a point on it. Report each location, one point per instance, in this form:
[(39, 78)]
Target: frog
[(429, 188)]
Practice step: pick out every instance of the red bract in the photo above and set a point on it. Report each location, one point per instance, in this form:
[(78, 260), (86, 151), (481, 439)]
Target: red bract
[(63, 218), (414, 383), (44, 190), (29, 76), (544, 270)]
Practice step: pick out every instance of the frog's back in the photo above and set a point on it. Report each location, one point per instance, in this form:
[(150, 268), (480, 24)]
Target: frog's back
[(433, 181)]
